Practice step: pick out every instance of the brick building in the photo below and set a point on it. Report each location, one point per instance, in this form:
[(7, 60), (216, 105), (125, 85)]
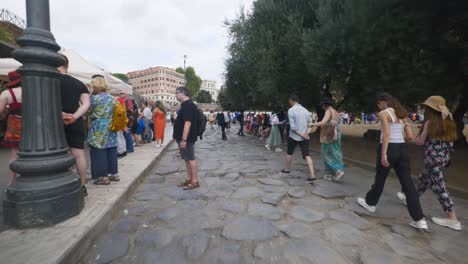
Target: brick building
[(157, 84)]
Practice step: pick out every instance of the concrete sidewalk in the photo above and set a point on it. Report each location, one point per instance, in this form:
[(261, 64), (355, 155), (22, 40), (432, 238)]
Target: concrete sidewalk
[(65, 242)]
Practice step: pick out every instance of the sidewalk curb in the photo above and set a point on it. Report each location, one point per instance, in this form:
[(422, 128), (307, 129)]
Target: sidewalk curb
[(75, 253)]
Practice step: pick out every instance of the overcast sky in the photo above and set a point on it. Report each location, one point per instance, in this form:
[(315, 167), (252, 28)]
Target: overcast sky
[(127, 35)]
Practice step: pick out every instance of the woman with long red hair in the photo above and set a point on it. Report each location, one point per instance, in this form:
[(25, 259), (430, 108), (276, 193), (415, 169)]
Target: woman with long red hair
[(437, 136)]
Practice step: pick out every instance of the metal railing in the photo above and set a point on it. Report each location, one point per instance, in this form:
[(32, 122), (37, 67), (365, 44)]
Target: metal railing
[(7, 16)]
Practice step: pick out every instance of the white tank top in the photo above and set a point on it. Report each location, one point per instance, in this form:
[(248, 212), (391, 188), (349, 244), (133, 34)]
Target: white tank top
[(396, 130)]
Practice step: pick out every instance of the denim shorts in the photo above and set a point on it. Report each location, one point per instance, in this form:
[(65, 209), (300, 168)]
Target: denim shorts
[(189, 152)]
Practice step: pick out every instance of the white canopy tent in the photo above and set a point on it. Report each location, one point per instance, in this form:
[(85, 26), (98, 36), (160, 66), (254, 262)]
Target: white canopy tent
[(78, 68)]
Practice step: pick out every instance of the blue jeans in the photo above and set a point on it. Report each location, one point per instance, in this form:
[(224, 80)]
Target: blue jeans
[(103, 162), (129, 141)]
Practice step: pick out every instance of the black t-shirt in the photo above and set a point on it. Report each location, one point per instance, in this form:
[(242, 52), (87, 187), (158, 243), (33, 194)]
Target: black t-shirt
[(188, 112), (71, 92)]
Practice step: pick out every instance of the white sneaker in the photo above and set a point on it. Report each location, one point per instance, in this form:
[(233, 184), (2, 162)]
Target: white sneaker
[(402, 197), (328, 177), (452, 224), (421, 224), (278, 150), (267, 147), (338, 176), (362, 202)]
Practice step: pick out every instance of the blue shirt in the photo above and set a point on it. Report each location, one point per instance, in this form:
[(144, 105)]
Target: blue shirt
[(299, 119)]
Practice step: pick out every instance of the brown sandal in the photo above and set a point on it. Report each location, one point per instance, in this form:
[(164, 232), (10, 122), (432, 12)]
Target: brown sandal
[(102, 181), (184, 183), (191, 186)]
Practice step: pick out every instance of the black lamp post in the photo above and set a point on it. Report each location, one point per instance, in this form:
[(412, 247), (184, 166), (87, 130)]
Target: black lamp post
[(46, 191)]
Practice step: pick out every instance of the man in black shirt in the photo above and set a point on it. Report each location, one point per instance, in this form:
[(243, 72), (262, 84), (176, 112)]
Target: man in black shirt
[(186, 133), (220, 118), (240, 118), (75, 103)]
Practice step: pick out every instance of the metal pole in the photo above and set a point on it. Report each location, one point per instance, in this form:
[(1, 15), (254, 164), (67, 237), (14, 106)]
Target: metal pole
[(46, 191)]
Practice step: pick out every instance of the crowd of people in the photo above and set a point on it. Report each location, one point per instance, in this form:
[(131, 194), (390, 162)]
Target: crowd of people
[(437, 135), (117, 125), (104, 120)]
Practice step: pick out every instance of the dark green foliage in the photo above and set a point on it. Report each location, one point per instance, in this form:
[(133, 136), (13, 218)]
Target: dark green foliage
[(121, 76), (351, 49), (203, 97)]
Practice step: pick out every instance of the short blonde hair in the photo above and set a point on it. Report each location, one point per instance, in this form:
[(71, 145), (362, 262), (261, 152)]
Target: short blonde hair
[(99, 85)]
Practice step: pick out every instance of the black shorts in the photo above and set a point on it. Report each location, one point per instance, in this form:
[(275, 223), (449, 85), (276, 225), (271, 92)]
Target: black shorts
[(189, 152), (75, 134), (304, 145)]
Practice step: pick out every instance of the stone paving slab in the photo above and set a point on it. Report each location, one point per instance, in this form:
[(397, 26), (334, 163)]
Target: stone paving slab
[(67, 241)]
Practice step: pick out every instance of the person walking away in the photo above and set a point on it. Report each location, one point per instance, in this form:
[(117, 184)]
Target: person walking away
[(211, 119), (330, 141), (186, 133), (101, 139), (299, 121), (437, 136), (220, 119), (12, 97), (240, 118), (75, 104), (274, 140), (227, 119), (392, 152), (159, 123)]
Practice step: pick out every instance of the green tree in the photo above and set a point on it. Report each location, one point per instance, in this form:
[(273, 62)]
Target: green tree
[(121, 76), (5, 35), (180, 70), (193, 81), (224, 102), (203, 97)]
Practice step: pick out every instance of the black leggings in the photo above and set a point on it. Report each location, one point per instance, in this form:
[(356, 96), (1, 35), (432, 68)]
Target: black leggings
[(397, 155)]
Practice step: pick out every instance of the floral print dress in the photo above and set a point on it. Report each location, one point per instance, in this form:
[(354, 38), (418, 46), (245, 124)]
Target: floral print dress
[(101, 112)]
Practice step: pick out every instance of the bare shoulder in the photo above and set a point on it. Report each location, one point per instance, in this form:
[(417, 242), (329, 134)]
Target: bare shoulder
[(383, 113)]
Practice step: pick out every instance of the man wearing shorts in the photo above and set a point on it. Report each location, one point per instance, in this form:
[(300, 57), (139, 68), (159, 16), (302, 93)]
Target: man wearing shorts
[(299, 121), (186, 133), (75, 103)]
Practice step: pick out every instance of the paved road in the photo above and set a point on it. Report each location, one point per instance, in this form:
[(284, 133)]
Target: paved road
[(246, 212)]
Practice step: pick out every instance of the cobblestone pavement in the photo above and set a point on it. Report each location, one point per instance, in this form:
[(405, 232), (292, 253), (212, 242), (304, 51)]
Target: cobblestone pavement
[(246, 212)]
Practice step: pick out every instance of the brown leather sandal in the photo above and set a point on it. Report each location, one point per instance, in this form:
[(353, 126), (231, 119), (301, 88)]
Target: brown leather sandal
[(191, 186), (184, 183)]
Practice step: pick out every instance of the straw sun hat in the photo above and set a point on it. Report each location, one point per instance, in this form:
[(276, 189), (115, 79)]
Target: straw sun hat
[(438, 103)]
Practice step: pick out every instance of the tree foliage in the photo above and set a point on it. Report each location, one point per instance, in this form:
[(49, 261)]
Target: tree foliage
[(349, 49), (121, 76), (203, 97), (193, 81), (6, 35), (180, 70)]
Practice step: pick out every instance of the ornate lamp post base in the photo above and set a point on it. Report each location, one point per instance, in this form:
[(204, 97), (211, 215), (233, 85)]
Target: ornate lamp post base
[(42, 202)]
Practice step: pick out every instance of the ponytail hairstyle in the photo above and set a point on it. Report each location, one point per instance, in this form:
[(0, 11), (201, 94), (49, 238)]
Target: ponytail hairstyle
[(392, 102)]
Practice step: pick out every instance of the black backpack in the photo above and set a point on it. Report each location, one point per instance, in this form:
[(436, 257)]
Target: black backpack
[(201, 124)]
